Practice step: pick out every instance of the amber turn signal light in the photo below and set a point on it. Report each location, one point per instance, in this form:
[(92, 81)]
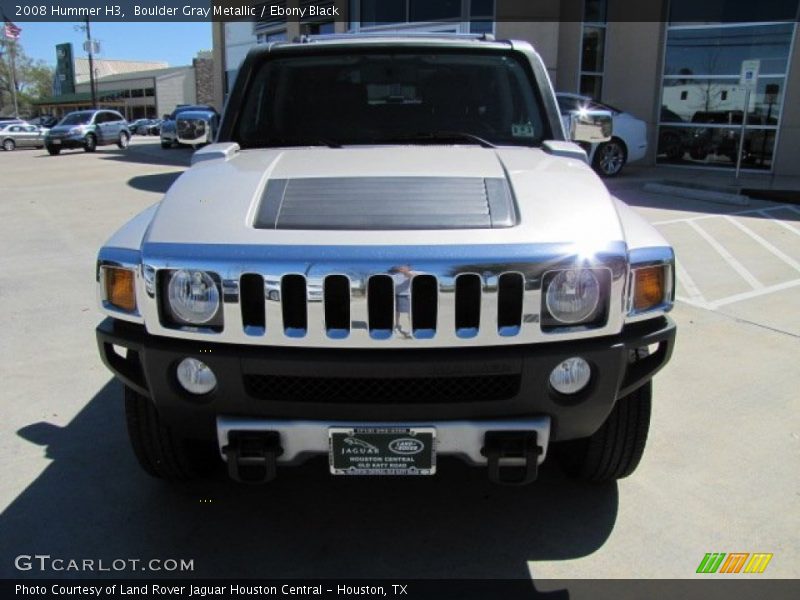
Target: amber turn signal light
[(120, 288), (649, 286)]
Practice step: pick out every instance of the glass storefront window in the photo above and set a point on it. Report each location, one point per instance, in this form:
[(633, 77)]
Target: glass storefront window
[(702, 102), (593, 46), (721, 50), (721, 101), (715, 146), (591, 85)]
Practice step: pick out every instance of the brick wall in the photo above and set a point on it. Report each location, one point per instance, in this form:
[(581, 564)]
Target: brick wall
[(204, 80)]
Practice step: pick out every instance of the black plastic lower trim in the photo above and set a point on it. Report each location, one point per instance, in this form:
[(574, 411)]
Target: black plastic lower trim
[(150, 370)]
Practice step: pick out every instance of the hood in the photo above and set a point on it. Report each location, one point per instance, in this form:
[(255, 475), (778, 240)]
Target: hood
[(387, 195), (61, 129)]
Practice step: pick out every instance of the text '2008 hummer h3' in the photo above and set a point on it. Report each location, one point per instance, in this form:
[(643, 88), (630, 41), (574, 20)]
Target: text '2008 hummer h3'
[(391, 253)]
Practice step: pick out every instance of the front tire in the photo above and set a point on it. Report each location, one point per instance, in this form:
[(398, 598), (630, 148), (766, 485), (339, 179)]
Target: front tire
[(609, 158), (159, 450), (123, 141), (90, 143), (166, 145), (614, 450), (9, 145), (53, 150)]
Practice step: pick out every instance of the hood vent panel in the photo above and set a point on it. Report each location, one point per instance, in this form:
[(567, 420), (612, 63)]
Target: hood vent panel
[(332, 203)]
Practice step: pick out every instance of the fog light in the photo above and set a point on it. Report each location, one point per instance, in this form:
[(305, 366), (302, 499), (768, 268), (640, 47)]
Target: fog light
[(571, 376), (196, 377)]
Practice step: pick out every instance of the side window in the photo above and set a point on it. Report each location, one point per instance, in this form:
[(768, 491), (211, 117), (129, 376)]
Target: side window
[(15, 128), (115, 117), (99, 118)]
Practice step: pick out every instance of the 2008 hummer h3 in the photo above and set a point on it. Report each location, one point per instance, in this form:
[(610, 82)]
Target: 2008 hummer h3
[(391, 253)]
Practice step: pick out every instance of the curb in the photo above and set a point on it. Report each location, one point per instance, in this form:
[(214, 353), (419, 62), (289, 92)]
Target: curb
[(696, 193)]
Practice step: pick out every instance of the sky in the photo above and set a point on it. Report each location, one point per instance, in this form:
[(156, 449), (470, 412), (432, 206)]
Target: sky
[(175, 43)]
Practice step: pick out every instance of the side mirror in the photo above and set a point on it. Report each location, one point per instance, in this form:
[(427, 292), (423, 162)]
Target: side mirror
[(592, 126)]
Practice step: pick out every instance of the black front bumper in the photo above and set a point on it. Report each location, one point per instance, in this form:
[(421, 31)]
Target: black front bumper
[(385, 385)]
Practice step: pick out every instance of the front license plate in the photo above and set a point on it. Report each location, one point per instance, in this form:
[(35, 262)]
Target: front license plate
[(55, 142), (382, 450)]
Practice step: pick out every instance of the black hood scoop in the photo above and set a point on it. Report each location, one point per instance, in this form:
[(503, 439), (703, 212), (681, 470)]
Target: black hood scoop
[(391, 203)]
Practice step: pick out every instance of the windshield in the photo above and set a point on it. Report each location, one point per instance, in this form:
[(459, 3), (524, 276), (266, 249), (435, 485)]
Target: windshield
[(404, 97), (78, 118)]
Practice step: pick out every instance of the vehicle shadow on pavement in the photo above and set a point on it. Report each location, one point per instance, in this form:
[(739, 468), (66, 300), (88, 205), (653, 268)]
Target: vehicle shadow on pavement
[(158, 182), (150, 154), (93, 501)]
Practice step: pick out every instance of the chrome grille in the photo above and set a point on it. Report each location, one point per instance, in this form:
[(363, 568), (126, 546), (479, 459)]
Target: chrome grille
[(399, 305), (383, 296)]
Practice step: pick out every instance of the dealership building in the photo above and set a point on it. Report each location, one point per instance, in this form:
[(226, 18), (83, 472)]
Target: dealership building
[(137, 89), (680, 70)]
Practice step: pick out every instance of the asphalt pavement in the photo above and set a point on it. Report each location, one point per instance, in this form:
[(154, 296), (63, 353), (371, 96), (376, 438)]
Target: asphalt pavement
[(720, 474)]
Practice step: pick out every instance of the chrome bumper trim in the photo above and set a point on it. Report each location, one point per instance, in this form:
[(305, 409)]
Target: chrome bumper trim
[(301, 440)]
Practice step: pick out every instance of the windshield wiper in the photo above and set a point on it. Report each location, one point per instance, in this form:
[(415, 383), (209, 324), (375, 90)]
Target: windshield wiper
[(439, 136)]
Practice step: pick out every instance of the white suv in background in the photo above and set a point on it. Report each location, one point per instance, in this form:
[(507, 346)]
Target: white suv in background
[(629, 141)]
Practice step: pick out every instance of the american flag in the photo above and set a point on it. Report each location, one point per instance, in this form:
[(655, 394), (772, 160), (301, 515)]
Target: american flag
[(12, 31)]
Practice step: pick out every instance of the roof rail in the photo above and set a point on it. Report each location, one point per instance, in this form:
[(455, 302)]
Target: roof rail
[(307, 39)]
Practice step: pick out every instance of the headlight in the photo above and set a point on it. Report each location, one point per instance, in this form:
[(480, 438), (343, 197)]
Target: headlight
[(573, 295), (75, 130), (119, 288), (193, 296)]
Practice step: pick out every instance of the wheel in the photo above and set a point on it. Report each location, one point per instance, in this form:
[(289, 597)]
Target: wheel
[(53, 150), (90, 143), (9, 145), (166, 145), (123, 141), (610, 157), (160, 451), (614, 451)]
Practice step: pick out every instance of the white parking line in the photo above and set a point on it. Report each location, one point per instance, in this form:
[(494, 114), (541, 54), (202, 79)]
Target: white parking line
[(784, 257), (754, 293), (695, 296), (783, 224), (762, 211), (727, 257)]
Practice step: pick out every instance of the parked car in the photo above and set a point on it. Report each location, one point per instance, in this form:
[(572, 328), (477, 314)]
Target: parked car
[(391, 253), (628, 144), (135, 125), (88, 129), (46, 121), (148, 127), (19, 135), (200, 127)]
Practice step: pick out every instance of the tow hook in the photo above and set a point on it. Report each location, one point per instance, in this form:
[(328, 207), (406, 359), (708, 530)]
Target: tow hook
[(517, 445), (252, 455)]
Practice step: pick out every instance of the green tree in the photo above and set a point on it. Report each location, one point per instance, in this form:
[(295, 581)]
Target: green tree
[(34, 79)]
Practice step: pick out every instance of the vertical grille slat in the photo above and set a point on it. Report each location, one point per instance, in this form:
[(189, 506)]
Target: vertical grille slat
[(336, 297), (509, 304), (380, 306), (293, 305), (424, 306), (468, 305), (251, 292)]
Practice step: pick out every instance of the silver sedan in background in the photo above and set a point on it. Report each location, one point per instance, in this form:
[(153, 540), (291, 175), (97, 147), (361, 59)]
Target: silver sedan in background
[(21, 135)]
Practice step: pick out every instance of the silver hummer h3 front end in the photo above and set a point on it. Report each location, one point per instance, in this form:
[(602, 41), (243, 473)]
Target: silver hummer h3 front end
[(391, 253)]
